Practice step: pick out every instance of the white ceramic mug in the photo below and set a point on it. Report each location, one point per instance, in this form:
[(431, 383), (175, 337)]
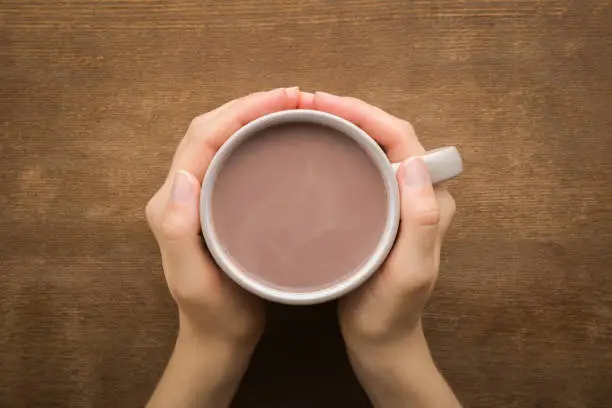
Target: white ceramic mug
[(443, 164)]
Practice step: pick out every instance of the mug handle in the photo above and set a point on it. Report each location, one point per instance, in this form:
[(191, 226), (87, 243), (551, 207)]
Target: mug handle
[(443, 163)]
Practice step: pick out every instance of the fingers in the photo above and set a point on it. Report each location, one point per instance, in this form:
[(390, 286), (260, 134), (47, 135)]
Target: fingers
[(307, 101), (209, 131), (396, 136), (412, 262), (181, 147), (183, 257)]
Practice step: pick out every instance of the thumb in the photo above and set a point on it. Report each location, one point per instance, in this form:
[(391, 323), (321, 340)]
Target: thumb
[(183, 255), (413, 256)]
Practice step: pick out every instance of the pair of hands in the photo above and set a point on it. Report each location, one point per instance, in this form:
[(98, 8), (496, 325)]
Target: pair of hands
[(378, 320)]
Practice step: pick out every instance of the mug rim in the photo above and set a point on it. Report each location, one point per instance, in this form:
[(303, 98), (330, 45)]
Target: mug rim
[(332, 290)]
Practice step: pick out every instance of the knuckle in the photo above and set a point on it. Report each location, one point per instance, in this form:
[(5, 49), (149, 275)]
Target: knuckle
[(219, 129), (215, 134), (421, 280), (151, 211), (184, 292), (407, 127), (214, 130), (428, 217), (428, 274), (198, 121), (171, 228), (185, 289)]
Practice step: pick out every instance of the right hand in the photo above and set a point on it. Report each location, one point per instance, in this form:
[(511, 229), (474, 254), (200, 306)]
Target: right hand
[(388, 307), (381, 320)]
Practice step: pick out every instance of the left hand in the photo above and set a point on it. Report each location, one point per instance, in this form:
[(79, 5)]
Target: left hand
[(219, 323), (211, 306)]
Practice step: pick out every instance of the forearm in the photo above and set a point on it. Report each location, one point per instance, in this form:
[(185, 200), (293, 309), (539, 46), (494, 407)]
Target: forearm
[(200, 374), (403, 376)]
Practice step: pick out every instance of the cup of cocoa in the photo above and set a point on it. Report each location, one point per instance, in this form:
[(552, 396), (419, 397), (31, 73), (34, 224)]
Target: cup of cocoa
[(301, 206)]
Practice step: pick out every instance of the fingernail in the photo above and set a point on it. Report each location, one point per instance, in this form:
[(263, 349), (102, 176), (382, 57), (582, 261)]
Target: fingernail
[(182, 187), (293, 89), (416, 173)]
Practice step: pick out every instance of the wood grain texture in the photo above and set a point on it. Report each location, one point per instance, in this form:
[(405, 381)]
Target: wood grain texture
[(95, 96)]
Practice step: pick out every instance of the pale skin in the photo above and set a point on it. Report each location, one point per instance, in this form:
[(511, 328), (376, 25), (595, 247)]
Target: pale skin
[(220, 324)]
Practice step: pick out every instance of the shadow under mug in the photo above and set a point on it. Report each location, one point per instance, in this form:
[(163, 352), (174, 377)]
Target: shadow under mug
[(443, 164)]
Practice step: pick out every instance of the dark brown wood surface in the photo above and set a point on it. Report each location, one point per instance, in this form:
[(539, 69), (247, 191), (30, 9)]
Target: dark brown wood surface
[(94, 96)]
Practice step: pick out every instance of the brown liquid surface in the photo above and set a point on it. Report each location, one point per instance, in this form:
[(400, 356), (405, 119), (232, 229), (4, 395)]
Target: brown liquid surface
[(299, 206)]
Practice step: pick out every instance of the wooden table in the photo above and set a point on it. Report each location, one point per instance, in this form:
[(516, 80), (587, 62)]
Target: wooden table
[(95, 95)]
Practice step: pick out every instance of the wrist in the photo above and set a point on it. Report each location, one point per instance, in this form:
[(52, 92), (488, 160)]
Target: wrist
[(229, 357), (394, 371), (202, 372), (241, 342), (381, 356), (401, 373)]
